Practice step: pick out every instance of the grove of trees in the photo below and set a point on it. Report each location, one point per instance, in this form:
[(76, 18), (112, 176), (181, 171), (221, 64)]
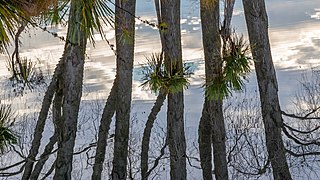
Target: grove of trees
[(223, 148)]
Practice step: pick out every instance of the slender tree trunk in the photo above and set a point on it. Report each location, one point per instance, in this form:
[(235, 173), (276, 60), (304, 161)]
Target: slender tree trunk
[(15, 58), (158, 11), (205, 142), (37, 136), (57, 107), (170, 18), (147, 133), (212, 114), (218, 141), (154, 111), (72, 89), (257, 24), (104, 127), (226, 24), (125, 32)]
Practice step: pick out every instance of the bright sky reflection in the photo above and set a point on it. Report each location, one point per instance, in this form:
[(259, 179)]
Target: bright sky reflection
[(294, 36)]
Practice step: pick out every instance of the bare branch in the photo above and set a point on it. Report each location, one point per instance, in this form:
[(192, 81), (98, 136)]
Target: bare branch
[(49, 172), (86, 148), (303, 154), (298, 141), (234, 147), (306, 117), (299, 131), (12, 166), (5, 174), (156, 162), (190, 164)]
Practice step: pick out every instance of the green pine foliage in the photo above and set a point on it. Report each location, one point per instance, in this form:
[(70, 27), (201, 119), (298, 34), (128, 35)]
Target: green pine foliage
[(157, 76), (235, 66), (7, 136)]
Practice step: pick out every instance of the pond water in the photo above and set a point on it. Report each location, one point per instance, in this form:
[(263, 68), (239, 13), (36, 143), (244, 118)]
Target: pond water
[(294, 36)]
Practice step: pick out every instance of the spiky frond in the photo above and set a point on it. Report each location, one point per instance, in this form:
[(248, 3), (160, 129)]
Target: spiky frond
[(235, 67), (9, 16), (156, 75), (95, 14), (217, 88), (236, 62), (7, 136), (56, 13)]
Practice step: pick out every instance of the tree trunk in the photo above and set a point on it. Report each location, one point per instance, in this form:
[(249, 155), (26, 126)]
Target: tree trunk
[(104, 127), (212, 113), (125, 32), (72, 89), (205, 142), (37, 136), (147, 133), (57, 105), (218, 140), (257, 24), (228, 11), (170, 18)]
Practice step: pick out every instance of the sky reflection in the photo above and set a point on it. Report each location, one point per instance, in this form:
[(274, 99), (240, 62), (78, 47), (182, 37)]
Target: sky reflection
[(294, 36)]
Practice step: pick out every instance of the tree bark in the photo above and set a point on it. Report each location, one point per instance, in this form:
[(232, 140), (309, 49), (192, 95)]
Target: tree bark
[(72, 89), (104, 127), (56, 116), (212, 114), (147, 133), (170, 18), (37, 136), (228, 11), (15, 58), (257, 24), (205, 142), (125, 32)]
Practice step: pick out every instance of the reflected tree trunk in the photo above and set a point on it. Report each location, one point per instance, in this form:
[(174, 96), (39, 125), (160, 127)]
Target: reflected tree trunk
[(257, 24), (104, 127), (205, 142), (154, 111), (170, 20), (73, 58), (228, 11), (211, 127), (125, 32), (147, 133), (56, 116), (15, 58), (37, 136)]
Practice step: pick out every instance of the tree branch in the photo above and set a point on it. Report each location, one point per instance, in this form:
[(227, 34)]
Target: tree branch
[(306, 117)]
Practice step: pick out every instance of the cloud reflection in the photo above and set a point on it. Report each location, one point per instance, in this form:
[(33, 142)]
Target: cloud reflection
[(317, 14), (297, 47)]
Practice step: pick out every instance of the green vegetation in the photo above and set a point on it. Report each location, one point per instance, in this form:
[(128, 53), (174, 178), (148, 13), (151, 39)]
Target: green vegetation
[(235, 67), (7, 136), (157, 76)]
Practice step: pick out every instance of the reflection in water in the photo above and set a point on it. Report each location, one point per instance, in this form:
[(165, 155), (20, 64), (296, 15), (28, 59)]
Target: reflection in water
[(297, 47), (317, 14), (25, 74), (294, 46), (294, 34)]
